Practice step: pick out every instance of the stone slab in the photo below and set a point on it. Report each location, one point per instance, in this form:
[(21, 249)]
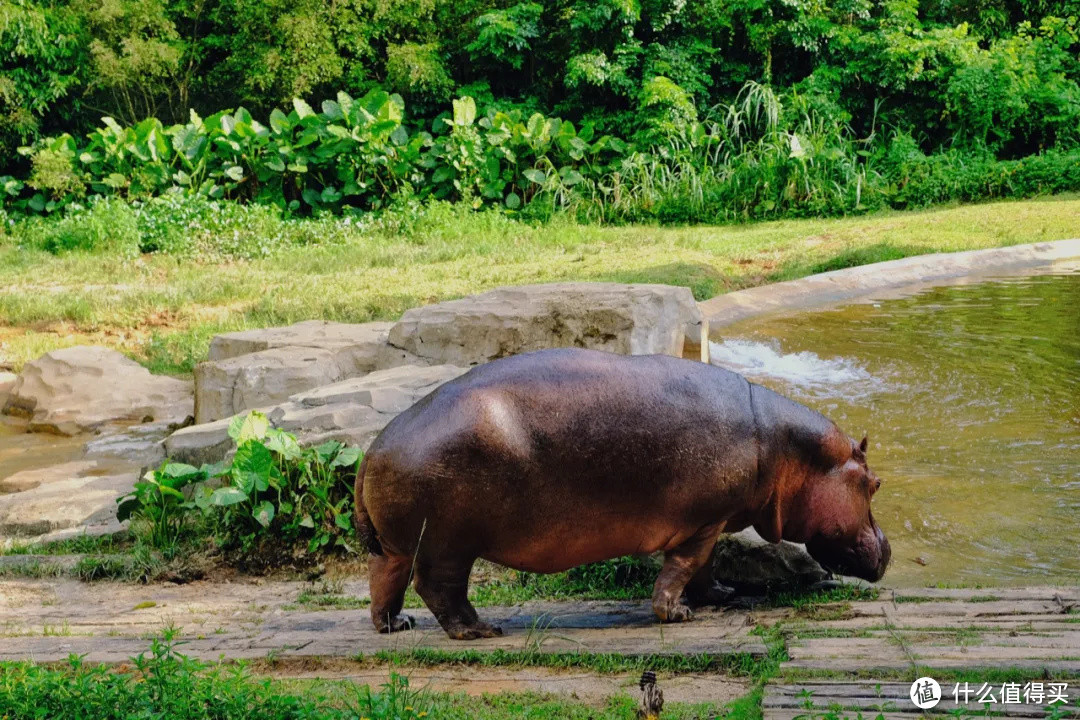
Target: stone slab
[(238, 621), (351, 411), (364, 340), (60, 504)]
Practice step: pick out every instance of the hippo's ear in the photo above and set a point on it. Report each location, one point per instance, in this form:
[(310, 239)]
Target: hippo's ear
[(863, 444)]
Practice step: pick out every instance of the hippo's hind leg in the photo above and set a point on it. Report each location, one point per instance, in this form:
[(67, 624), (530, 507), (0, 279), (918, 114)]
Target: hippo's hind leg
[(681, 564), (389, 579), (444, 586)]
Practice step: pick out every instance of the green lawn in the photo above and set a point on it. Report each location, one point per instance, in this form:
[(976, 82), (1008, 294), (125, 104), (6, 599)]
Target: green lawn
[(163, 310)]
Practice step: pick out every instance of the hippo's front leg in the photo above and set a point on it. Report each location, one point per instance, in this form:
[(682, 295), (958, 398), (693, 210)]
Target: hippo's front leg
[(680, 565)]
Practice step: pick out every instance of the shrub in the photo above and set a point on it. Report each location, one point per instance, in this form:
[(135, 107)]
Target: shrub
[(762, 156), (197, 226), (104, 226), (271, 498)]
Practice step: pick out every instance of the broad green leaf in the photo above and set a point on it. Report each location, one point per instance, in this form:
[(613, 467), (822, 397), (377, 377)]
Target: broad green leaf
[(264, 513), (464, 111), (330, 194), (303, 110), (203, 497), (170, 492), (570, 177), (229, 495), (347, 457), (178, 470), (279, 122), (513, 201), (252, 426), (216, 469), (252, 466), (345, 103), (537, 176), (332, 110), (328, 450), (283, 443)]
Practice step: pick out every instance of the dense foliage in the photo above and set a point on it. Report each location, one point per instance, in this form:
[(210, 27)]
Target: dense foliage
[(614, 109), (269, 499)]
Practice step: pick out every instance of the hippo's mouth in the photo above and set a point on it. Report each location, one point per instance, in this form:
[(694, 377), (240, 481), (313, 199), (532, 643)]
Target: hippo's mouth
[(867, 559)]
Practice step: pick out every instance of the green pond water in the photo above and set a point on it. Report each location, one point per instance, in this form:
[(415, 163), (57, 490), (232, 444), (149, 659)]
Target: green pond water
[(971, 397), (21, 451)]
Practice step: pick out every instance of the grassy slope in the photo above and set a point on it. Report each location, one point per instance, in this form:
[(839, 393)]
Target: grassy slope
[(163, 310)]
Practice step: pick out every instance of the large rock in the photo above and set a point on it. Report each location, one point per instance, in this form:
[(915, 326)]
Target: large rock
[(752, 565), (65, 502), (362, 343), (352, 411), (7, 381), (257, 368), (627, 319), (225, 388), (79, 389)]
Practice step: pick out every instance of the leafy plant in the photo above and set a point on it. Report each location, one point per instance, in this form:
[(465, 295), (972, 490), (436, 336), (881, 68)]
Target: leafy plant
[(275, 489), (158, 500), (272, 494)]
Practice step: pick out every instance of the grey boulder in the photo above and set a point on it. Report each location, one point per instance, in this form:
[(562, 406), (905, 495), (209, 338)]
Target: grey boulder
[(627, 319), (351, 411), (80, 389), (256, 368)]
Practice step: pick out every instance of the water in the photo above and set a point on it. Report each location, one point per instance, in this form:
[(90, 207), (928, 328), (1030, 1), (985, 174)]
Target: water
[(971, 397), (20, 450)]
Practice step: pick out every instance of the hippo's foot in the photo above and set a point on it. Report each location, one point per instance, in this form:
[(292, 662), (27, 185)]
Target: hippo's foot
[(676, 613), (714, 594), (475, 631), (397, 624)]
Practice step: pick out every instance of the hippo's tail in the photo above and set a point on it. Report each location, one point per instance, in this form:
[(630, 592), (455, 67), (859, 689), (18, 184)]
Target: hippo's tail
[(364, 528)]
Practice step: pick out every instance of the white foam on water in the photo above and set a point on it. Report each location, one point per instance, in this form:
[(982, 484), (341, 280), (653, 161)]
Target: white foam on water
[(806, 371)]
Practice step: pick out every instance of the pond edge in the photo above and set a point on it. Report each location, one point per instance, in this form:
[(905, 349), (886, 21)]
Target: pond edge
[(894, 278)]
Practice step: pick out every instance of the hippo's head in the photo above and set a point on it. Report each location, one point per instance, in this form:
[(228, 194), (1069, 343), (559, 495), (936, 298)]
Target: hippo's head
[(848, 541), (830, 512)]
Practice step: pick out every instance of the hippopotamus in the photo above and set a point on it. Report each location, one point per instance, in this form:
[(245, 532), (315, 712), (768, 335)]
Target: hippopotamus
[(552, 459)]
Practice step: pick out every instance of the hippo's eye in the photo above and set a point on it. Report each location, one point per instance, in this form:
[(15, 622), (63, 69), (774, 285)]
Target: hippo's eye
[(874, 482)]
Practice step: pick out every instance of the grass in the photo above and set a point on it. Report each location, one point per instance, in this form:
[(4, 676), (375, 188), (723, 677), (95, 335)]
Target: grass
[(164, 683), (741, 664), (811, 600), (78, 545), (163, 310), (34, 569)]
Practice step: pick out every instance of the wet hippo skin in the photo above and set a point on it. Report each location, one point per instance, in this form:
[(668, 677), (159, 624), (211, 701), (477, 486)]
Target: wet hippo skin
[(552, 459)]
